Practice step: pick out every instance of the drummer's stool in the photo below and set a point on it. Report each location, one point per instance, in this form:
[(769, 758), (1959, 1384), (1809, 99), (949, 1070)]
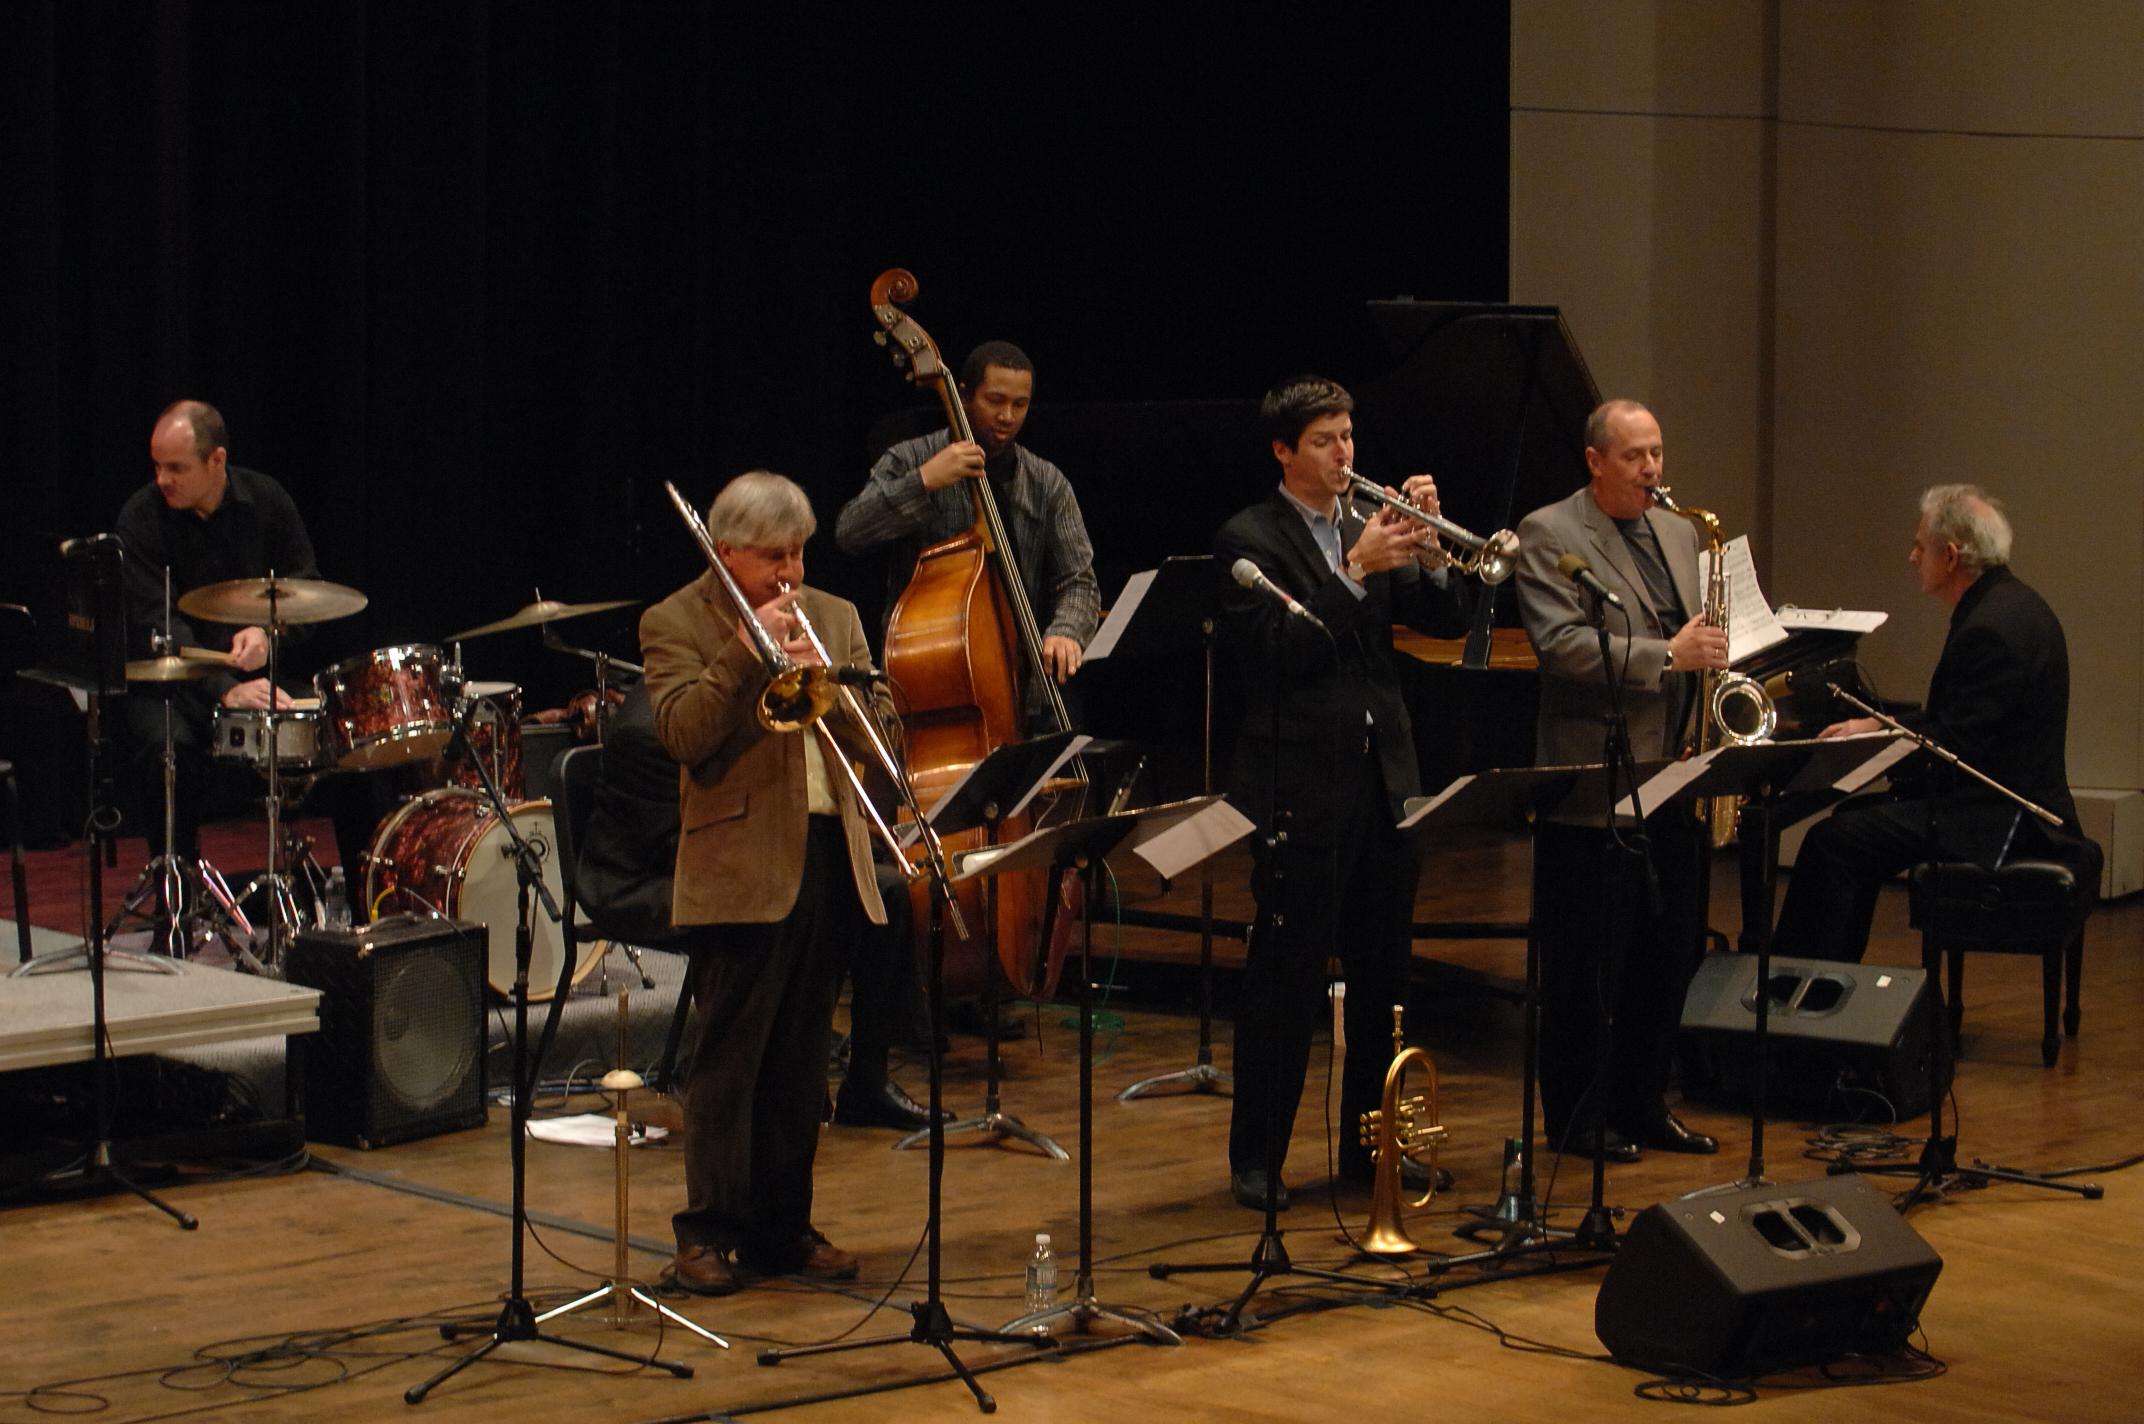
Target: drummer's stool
[(19, 878), (2023, 907)]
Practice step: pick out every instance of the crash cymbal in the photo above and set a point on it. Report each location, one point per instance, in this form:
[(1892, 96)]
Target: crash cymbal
[(170, 669), (245, 601), (543, 610)]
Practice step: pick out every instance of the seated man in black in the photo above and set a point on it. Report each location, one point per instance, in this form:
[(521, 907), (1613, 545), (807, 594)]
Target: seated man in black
[(1999, 700)]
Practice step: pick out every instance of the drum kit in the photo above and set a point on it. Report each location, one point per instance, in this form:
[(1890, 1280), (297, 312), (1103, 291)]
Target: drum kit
[(442, 852)]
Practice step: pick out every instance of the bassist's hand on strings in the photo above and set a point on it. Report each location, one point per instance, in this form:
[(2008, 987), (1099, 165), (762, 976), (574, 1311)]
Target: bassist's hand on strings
[(1062, 655), (961, 460)]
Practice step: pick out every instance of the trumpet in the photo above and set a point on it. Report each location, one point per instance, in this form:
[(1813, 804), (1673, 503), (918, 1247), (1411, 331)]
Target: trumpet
[(1397, 1128), (1492, 558)]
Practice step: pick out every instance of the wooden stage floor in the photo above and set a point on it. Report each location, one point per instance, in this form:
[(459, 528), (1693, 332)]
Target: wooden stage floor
[(315, 1294)]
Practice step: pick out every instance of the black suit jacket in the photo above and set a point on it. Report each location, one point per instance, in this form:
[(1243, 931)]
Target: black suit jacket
[(2000, 699), (1279, 666)]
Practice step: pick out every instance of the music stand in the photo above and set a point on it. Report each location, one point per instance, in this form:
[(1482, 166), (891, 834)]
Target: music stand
[(1161, 620), (1764, 774), (1081, 845), (993, 791)]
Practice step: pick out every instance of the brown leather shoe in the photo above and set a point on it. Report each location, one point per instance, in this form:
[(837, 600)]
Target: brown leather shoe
[(824, 1261), (705, 1271)]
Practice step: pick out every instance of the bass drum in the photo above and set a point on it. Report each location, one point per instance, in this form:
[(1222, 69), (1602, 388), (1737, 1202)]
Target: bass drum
[(445, 853)]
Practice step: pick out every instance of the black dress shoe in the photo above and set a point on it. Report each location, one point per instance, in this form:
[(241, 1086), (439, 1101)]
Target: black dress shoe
[(1617, 1147), (884, 1106), (1670, 1134), (1249, 1189)]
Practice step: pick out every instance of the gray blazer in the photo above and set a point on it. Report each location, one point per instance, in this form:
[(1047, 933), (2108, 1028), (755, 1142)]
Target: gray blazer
[(1574, 704)]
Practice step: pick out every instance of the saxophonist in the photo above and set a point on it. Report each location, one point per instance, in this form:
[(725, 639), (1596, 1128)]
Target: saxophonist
[(1658, 644)]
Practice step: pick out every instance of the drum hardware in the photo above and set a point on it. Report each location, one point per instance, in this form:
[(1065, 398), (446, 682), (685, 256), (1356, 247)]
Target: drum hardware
[(285, 601), (1491, 558), (182, 898)]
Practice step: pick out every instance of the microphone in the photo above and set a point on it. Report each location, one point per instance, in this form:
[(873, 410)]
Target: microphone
[(1574, 568), (1251, 576), (458, 745), (1815, 678), (857, 676), (87, 544)]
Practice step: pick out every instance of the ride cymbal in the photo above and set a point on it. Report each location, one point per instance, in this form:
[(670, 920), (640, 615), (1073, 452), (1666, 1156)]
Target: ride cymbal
[(246, 601), (543, 610)]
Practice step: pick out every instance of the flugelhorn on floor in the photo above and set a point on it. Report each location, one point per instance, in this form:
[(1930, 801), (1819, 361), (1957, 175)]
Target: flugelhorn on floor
[(1394, 1131), (1490, 558)]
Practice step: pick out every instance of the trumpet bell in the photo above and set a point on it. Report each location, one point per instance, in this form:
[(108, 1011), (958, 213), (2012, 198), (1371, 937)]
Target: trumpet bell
[(795, 698), (1499, 556)]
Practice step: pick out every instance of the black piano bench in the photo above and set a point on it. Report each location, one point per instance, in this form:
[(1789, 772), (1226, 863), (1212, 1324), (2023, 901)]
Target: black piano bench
[(2024, 907)]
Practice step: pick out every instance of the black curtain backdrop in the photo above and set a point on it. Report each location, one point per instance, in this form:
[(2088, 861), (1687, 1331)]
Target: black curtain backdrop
[(473, 279)]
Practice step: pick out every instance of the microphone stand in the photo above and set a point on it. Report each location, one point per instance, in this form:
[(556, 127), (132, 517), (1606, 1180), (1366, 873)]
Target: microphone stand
[(1938, 1162), (517, 1317)]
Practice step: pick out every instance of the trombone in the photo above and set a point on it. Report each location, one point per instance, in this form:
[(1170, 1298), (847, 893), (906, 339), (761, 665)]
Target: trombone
[(1492, 557), (798, 696)]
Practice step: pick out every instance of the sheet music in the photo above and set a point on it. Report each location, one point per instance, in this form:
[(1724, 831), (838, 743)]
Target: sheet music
[(1421, 806), (1877, 765), (1830, 620), (1751, 626), (1173, 847), (1663, 785), (907, 832), (1120, 615)]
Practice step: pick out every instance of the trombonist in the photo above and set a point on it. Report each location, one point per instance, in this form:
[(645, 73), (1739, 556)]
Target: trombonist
[(774, 883)]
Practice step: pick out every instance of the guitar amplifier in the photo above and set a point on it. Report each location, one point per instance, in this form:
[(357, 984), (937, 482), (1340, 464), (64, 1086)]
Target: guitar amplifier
[(400, 1051)]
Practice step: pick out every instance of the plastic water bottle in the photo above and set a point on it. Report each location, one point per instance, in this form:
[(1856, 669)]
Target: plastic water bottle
[(337, 909), (1042, 1277)]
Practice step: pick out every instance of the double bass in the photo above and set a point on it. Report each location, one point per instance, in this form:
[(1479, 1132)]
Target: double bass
[(957, 641)]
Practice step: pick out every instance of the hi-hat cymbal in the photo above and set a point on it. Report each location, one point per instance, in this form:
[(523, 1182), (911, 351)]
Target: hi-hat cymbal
[(543, 610), (170, 668), (245, 601)]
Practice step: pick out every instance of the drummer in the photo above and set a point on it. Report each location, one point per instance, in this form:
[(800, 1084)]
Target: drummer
[(208, 521)]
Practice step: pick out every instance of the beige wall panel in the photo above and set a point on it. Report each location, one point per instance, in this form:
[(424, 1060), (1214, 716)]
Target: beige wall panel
[(2002, 66), (1646, 232), (1639, 56), (1954, 308)]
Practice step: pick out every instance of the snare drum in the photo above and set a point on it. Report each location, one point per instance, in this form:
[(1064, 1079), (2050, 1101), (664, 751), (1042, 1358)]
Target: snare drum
[(386, 708), (445, 851), (241, 733), (494, 736)]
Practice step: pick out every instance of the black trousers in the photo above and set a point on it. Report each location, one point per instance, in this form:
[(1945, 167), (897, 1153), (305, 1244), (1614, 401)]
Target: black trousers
[(1584, 884), (1352, 898), (755, 1065), (1846, 858), (204, 785)]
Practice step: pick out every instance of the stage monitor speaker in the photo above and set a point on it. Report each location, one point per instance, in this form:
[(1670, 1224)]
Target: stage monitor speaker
[(1844, 1041), (400, 1052), (1736, 1284)]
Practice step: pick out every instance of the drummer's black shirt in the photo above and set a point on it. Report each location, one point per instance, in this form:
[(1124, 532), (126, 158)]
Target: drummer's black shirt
[(253, 532)]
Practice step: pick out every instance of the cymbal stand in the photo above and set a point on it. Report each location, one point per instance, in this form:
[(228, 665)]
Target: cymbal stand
[(184, 895)]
